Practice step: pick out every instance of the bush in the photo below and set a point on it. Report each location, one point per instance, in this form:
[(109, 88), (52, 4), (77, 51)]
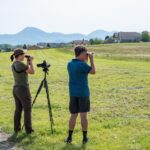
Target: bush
[(95, 41), (109, 41), (8, 50)]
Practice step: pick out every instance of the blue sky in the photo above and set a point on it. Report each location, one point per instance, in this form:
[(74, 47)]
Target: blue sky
[(68, 16)]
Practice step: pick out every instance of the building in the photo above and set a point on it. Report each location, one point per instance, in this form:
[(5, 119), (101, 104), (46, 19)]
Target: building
[(79, 42), (121, 37), (34, 47)]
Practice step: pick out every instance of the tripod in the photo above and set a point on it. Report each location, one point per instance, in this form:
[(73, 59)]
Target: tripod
[(45, 84)]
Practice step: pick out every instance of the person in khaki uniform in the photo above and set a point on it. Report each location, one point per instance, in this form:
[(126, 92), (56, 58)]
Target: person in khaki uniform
[(21, 91)]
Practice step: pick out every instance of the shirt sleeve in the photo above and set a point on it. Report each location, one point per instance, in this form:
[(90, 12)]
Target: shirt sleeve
[(21, 67), (85, 68)]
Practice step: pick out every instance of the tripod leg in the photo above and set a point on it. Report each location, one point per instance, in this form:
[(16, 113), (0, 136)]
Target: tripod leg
[(38, 91), (49, 104)]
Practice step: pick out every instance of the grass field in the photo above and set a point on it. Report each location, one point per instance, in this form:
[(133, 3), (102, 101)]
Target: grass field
[(120, 100)]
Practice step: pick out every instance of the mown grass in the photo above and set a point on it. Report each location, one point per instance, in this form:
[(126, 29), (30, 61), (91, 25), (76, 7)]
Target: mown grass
[(126, 51), (120, 100)]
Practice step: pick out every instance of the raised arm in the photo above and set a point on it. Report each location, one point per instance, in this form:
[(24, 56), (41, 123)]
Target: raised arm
[(30, 69), (91, 57)]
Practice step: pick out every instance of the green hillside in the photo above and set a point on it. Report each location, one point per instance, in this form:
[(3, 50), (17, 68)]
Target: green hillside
[(120, 100)]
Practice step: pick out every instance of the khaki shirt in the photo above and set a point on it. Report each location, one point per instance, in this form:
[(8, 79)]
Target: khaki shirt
[(19, 73)]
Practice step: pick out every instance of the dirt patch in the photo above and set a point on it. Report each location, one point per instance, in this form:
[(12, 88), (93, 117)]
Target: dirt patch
[(5, 143)]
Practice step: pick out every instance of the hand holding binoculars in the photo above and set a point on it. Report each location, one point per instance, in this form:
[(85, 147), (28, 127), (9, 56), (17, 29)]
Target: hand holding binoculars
[(29, 58)]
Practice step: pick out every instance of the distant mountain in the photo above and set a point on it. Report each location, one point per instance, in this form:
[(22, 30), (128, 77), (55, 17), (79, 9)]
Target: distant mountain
[(99, 34), (31, 35)]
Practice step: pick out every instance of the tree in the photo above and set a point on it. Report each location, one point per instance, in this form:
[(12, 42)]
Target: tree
[(107, 37), (91, 41), (24, 46), (145, 36), (48, 45)]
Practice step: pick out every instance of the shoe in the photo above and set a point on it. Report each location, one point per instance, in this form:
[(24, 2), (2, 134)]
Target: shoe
[(85, 140), (30, 131), (18, 130), (68, 140)]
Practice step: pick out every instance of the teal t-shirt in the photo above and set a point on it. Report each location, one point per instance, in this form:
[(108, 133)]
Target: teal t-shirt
[(78, 78)]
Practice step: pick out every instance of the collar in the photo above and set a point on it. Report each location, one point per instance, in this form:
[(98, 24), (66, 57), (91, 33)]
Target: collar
[(75, 59)]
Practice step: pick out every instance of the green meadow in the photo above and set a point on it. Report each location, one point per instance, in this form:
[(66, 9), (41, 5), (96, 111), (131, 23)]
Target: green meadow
[(120, 100)]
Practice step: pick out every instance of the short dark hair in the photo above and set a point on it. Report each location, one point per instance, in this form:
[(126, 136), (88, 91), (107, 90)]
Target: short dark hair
[(79, 49)]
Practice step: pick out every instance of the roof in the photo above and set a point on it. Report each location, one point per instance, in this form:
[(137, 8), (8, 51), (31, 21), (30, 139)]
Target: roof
[(128, 35)]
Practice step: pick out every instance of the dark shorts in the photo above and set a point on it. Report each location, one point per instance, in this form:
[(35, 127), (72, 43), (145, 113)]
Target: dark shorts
[(79, 104)]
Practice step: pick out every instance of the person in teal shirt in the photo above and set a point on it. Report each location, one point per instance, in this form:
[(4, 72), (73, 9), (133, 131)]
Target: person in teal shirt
[(78, 78), (79, 92)]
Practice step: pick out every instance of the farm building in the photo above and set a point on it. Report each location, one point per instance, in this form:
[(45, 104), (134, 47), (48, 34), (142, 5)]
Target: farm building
[(127, 37), (79, 42), (34, 47)]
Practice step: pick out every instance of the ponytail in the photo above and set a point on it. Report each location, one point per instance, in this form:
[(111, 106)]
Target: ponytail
[(12, 57)]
